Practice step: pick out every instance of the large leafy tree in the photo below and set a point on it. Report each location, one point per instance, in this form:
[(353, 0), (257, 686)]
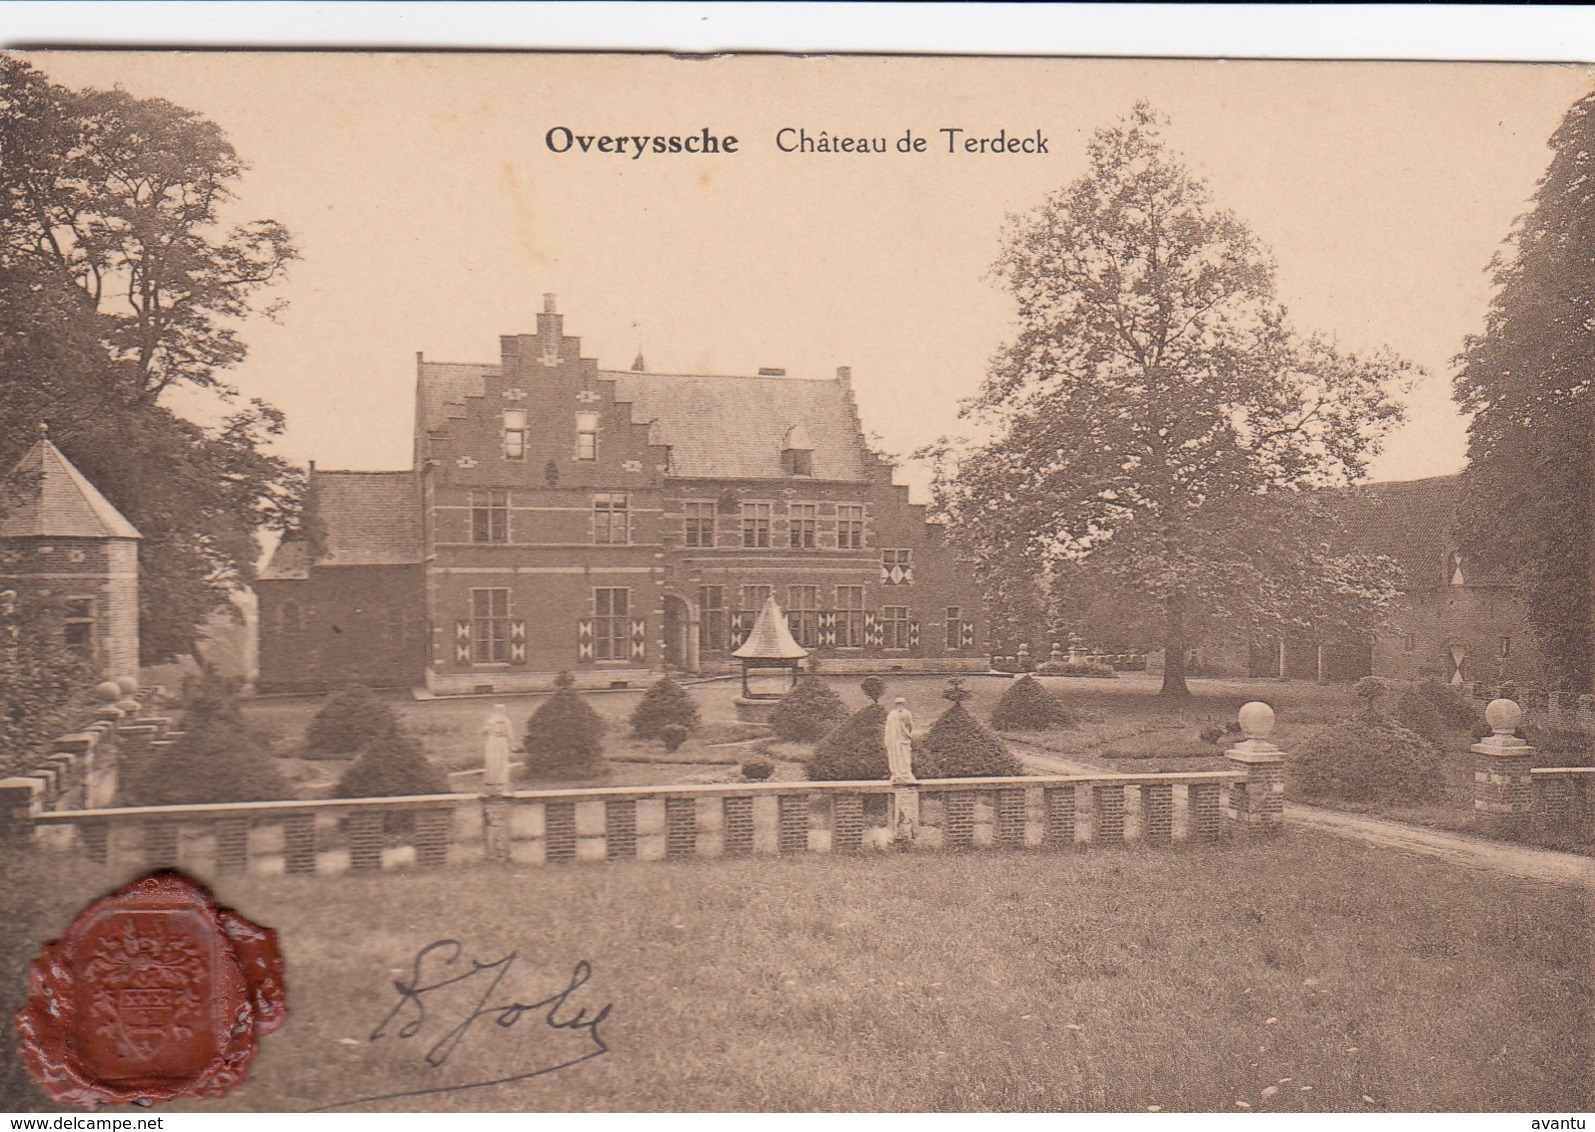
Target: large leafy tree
[(1528, 381), (119, 282), (1157, 429)]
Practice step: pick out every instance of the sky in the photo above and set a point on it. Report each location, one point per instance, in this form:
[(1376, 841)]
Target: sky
[(432, 214)]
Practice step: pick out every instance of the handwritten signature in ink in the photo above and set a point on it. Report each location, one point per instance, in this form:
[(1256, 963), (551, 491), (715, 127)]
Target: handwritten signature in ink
[(442, 964)]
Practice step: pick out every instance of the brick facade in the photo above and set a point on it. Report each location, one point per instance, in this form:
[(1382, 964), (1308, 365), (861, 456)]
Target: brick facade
[(613, 524)]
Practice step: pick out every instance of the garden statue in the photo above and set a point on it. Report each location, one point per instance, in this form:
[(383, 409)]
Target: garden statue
[(496, 760), (899, 742)]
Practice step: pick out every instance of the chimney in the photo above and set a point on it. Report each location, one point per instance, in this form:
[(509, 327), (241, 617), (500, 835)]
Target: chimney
[(549, 305), (771, 371), (844, 373)]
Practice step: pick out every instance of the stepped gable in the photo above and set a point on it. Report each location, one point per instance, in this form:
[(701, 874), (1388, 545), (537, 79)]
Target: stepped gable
[(735, 427), (56, 501)]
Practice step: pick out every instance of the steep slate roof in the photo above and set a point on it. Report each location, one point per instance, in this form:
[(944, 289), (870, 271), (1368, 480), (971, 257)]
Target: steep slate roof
[(1415, 523), (366, 519), (770, 639), (734, 427), (56, 501)]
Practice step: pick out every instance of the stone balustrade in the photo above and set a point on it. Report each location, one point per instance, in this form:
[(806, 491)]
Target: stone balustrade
[(541, 827)]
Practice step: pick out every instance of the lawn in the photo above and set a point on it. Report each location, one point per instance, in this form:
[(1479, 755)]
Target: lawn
[(1303, 974)]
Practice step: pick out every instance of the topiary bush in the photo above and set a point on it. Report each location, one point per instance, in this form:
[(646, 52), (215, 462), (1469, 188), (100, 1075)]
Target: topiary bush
[(757, 770), (1372, 758), (394, 767), (564, 736), (1027, 706), (807, 712), (1212, 733), (672, 735), (873, 687), (854, 750), (958, 746), (665, 703), (1455, 712), (1078, 668), (351, 721), (216, 758)]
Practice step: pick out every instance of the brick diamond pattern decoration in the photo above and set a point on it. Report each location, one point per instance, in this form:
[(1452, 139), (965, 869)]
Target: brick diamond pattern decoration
[(462, 642), (584, 639), (639, 638), (514, 394), (588, 396), (465, 462)]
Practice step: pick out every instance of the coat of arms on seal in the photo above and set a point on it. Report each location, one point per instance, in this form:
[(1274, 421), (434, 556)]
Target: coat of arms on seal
[(154, 992)]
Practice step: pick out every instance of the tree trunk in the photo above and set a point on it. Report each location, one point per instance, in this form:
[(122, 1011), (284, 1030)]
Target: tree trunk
[(1174, 650)]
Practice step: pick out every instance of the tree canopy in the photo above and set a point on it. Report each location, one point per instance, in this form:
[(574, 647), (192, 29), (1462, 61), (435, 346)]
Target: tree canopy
[(1528, 382), (120, 280), (1158, 429)]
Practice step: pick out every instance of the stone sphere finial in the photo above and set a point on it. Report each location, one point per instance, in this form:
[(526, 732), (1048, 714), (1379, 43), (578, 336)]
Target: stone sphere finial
[(1257, 720), (1503, 716), (110, 691), (128, 684)]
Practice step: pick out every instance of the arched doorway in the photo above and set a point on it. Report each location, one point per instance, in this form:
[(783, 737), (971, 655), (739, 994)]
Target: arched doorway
[(681, 634)]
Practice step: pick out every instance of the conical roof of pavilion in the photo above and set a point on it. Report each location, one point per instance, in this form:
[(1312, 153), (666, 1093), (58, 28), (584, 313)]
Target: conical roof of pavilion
[(770, 638), (57, 501)]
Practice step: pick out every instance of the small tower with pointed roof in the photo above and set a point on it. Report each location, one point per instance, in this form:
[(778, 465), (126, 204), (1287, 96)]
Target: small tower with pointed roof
[(65, 547)]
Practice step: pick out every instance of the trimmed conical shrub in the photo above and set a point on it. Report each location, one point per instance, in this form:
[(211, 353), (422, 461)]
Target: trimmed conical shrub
[(216, 758), (664, 704), (564, 735), (959, 746), (1027, 706), (349, 722), (391, 768), (854, 751), (808, 712)]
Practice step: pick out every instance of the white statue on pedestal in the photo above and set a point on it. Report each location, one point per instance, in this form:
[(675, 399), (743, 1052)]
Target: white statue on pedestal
[(496, 758), (900, 742)]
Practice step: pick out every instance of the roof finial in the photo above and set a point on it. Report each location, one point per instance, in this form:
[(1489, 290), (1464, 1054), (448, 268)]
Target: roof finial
[(44, 430)]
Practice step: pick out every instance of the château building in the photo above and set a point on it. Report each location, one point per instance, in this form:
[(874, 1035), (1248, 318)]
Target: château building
[(561, 517)]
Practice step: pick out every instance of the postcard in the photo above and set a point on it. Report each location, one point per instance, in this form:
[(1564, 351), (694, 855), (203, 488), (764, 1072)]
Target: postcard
[(759, 583)]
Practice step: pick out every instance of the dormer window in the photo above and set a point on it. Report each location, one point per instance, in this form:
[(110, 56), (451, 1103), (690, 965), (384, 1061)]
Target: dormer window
[(797, 452), (514, 434), (586, 436)]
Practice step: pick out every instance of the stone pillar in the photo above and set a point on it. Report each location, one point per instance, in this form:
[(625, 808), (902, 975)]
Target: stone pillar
[(496, 827), (1503, 792), (905, 816), (19, 798), (1257, 804)]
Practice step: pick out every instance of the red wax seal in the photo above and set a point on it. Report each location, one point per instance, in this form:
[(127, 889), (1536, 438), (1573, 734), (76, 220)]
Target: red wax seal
[(153, 993)]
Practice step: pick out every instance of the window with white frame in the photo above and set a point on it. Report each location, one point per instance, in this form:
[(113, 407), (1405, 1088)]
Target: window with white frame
[(756, 525), (490, 627), (611, 623), (514, 434), (586, 436), (698, 516), (490, 516), (611, 517), (850, 526)]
